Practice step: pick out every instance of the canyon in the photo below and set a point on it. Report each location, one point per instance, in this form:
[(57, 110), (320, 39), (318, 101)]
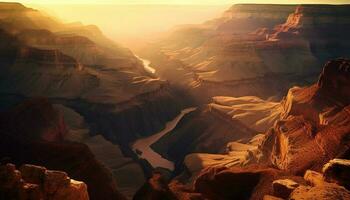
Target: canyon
[(250, 48), (251, 105)]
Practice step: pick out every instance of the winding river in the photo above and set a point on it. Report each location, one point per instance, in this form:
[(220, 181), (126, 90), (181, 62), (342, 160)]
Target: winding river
[(146, 65), (143, 145)]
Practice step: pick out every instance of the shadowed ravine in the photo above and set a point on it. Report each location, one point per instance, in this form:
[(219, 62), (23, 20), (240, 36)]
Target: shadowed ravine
[(143, 145)]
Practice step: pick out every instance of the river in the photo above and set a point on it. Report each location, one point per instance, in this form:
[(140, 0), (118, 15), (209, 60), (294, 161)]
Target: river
[(144, 144), (146, 65)]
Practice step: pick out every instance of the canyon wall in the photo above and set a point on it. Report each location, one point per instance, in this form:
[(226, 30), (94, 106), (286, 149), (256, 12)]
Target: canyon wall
[(284, 44)]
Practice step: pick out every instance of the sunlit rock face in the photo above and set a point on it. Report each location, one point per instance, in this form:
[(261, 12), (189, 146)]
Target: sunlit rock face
[(217, 128), (310, 128), (252, 48), (316, 124), (244, 18)]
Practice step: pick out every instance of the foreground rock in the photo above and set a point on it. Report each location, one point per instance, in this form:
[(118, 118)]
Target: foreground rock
[(156, 188), (283, 187), (235, 183), (329, 185), (75, 159), (326, 192), (338, 171), (35, 183)]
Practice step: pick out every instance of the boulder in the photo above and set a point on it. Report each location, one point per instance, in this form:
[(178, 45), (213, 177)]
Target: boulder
[(54, 180), (32, 173), (337, 171), (314, 178), (75, 190), (324, 192), (283, 187)]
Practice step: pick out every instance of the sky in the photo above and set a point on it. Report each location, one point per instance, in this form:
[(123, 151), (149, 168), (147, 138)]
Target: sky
[(131, 21), (204, 2), (126, 23)]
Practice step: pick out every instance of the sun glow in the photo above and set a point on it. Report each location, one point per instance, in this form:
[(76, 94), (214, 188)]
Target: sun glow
[(130, 21)]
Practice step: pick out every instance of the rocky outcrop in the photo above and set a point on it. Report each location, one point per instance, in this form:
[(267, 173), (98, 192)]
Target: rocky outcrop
[(334, 79), (327, 192), (283, 187), (235, 183), (35, 182), (337, 171), (312, 127), (37, 119), (245, 18), (236, 154), (320, 186), (317, 118)]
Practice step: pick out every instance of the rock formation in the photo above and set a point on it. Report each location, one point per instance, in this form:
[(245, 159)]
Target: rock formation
[(310, 128), (36, 182), (32, 133)]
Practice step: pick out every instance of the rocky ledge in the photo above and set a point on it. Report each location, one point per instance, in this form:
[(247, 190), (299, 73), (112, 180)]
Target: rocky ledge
[(36, 182), (34, 131)]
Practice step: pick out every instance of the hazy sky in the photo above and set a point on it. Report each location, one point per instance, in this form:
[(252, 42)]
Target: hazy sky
[(175, 1), (131, 21)]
